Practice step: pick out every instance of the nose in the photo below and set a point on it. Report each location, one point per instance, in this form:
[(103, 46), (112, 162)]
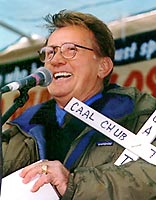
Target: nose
[(57, 58)]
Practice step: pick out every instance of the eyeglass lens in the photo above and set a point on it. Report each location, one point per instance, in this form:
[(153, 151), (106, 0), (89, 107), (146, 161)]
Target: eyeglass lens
[(67, 50)]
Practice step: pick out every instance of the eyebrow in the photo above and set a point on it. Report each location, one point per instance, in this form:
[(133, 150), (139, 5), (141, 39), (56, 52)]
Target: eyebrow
[(77, 45)]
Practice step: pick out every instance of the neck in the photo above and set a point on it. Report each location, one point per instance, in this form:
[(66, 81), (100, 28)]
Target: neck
[(62, 102)]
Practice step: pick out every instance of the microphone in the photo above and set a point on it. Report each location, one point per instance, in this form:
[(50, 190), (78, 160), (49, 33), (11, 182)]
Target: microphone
[(42, 77)]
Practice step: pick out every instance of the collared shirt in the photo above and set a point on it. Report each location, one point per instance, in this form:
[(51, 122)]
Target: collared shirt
[(60, 113)]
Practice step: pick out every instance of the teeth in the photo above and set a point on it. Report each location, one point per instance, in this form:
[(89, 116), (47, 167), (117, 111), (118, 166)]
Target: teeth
[(62, 75)]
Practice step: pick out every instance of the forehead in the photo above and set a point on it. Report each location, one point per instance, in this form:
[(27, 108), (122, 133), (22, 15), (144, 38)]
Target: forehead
[(75, 34)]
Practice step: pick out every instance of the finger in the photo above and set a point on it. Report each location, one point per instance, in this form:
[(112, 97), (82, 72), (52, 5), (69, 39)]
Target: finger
[(32, 172), (25, 170), (39, 183), (43, 179), (35, 168)]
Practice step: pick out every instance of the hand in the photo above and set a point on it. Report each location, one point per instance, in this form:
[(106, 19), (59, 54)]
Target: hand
[(55, 173)]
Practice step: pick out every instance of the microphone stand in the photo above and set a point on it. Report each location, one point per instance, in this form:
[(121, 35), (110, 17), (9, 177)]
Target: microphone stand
[(18, 102)]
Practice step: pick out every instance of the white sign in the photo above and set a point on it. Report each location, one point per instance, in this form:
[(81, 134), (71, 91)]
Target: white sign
[(112, 130), (146, 133)]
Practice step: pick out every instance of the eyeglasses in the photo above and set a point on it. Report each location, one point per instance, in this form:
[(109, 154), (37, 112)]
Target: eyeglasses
[(67, 50)]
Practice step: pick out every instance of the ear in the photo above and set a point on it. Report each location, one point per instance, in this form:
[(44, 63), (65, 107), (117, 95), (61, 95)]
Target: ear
[(105, 67)]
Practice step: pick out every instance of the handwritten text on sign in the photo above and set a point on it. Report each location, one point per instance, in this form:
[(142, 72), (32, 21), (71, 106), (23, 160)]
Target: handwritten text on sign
[(146, 133), (112, 130)]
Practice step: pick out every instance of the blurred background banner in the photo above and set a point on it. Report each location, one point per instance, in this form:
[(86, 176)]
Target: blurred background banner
[(135, 56), (23, 34)]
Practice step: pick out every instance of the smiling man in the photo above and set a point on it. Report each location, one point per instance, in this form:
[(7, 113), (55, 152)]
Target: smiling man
[(78, 160), (72, 56)]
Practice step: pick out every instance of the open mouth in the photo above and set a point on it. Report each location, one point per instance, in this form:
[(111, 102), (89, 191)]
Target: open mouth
[(62, 75)]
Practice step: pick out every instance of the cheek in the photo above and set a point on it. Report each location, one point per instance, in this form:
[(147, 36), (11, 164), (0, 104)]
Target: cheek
[(86, 68), (94, 57), (87, 77)]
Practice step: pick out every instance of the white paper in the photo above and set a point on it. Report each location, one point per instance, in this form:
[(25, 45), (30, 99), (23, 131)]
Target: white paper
[(13, 188)]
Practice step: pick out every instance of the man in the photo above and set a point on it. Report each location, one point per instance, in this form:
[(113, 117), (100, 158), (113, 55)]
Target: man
[(80, 52)]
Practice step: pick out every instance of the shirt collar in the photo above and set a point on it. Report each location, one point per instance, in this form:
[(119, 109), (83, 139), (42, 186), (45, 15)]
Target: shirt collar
[(60, 113)]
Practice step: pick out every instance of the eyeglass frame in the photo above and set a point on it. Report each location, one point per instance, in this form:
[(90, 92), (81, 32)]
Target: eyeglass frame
[(54, 52)]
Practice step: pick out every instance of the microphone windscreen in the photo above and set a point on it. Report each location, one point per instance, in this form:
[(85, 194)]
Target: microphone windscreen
[(47, 75)]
